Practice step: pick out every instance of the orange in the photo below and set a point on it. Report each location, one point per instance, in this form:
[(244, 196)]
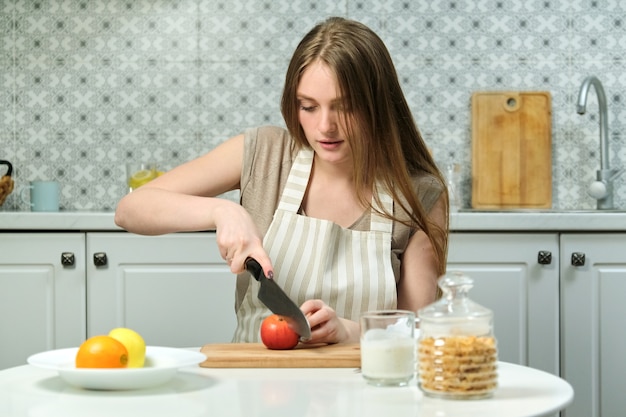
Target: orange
[(101, 352)]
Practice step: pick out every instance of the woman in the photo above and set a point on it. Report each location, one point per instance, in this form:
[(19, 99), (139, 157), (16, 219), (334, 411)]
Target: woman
[(346, 208)]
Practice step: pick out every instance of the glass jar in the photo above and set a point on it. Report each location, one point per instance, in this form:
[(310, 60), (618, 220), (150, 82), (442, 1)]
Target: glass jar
[(457, 351)]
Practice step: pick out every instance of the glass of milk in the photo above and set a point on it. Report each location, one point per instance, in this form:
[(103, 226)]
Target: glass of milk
[(388, 347)]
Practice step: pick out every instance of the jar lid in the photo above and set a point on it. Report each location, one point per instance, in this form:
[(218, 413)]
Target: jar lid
[(455, 303)]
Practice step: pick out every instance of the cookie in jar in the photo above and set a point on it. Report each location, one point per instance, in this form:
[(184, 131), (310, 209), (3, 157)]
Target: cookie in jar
[(457, 351)]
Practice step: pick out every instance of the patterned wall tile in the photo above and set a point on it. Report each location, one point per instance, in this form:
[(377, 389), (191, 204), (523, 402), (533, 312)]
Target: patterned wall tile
[(258, 31), (87, 85), (236, 100)]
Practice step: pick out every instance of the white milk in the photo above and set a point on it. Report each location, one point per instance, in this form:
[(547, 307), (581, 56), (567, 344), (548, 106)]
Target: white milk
[(388, 359)]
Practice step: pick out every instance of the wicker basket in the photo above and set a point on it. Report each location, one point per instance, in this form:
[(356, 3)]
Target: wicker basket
[(6, 182)]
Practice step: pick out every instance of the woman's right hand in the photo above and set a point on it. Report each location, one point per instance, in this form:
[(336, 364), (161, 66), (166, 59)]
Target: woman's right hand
[(238, 238)]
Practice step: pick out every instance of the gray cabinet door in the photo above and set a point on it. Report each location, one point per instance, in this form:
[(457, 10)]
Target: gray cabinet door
[(517, 276), (42, 294), (175, 289), (593, 322)]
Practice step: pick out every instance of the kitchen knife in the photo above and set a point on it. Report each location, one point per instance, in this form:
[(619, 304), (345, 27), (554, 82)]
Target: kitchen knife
[(277, 301)]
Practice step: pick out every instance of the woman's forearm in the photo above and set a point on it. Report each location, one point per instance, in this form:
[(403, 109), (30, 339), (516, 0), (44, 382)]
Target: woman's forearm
[(154, 211)]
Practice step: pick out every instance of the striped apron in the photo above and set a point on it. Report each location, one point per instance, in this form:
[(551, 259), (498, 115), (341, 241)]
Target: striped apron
[(317, 259)]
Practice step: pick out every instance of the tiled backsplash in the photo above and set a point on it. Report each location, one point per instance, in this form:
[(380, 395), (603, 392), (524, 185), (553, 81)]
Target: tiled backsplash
[(89, 85)]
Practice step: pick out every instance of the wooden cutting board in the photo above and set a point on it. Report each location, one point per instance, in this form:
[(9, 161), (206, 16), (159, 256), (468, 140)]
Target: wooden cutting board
[(511, 150), (256, 355)]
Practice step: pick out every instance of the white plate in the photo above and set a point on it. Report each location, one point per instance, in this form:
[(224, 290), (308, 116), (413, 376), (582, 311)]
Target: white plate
[(161, 365)]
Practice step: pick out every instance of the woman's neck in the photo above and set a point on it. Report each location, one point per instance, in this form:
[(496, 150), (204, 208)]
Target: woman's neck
[(332, 170), (331, 195)]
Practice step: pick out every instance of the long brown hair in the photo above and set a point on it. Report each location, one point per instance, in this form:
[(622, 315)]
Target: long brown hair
[(385, 141)]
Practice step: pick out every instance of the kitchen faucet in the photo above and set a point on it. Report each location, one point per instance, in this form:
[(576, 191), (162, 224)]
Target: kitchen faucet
[(602, 188)]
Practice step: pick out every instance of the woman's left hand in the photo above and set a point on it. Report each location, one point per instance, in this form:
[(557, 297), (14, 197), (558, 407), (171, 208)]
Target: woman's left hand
[(326, 326)]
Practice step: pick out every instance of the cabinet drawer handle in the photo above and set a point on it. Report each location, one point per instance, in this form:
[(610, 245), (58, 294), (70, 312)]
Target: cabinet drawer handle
[(68, 259), (100, 259), (578, 259), (544, 257)]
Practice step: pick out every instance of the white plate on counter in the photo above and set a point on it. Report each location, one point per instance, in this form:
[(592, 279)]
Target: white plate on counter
[(162, 363)]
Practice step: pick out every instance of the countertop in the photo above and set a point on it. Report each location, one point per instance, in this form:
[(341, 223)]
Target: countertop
[(463, 221), (62, 221), (328, 392)]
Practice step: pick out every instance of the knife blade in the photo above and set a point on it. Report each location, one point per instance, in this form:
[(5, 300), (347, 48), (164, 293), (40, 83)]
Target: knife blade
[(278, 301)]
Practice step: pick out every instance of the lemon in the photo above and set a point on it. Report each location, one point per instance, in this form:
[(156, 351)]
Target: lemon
[(139, 178), (134, 343)]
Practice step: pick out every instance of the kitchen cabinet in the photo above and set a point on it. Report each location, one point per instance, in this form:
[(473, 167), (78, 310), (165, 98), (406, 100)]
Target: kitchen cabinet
[(42, 302), (516, 275), (593, 287), (558, 306), (58, 288), (175, 290)]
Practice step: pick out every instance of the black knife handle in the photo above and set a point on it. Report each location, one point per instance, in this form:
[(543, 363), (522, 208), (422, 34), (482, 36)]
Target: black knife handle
[(254, 267)]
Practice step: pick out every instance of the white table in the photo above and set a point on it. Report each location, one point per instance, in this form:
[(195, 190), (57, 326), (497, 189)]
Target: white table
[(194, 392)]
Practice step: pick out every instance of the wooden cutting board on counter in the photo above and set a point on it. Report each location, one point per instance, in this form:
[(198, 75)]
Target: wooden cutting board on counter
[(511, 150), (256, 355)]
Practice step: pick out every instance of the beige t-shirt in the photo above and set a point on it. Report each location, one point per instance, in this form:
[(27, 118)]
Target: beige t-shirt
[(266, 164)]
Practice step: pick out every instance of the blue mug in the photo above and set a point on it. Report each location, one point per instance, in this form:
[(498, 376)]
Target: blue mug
[(44, 195)]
